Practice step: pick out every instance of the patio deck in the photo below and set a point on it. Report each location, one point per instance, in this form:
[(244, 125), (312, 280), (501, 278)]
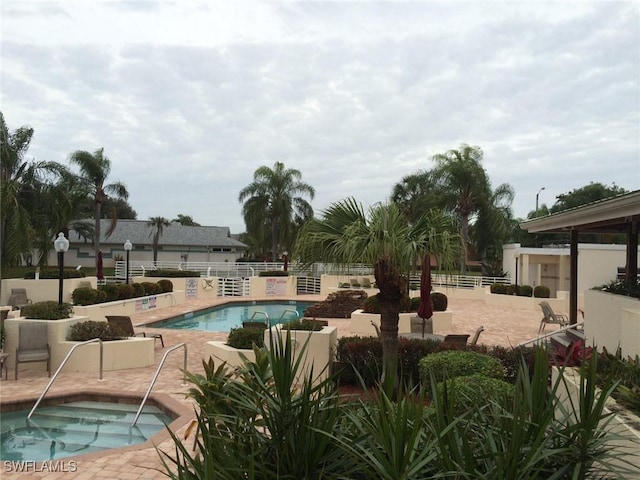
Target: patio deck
[(503, 326)]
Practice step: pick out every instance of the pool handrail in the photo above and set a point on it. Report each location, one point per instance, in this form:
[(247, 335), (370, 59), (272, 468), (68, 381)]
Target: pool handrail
[(55, 375), (155, 377), (292, 311), (262, 313)]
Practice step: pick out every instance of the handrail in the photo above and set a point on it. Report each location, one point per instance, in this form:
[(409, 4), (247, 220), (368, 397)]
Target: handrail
[(55, 375), (550, 334), (155, 377), (263, 313), (290, 310)]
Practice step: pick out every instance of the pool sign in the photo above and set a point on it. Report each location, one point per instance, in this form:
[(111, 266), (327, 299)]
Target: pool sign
[(276, 286), (191, 288), (145, 304)]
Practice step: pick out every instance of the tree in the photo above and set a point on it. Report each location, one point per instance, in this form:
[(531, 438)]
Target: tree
[(381, 237), (465, 190), (121, 207), (185, 220), (157, 224), (94, 170), (583, 195), (274, 205), (415, 194)]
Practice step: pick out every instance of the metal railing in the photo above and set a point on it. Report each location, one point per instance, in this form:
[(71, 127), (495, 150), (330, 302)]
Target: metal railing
[(308, 285), (55, 375), (155, 377), (260, 313), (542, 339), (290, 310)]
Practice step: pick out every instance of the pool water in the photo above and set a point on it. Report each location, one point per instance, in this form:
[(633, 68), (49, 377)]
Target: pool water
[(76, 428), (225, 317)]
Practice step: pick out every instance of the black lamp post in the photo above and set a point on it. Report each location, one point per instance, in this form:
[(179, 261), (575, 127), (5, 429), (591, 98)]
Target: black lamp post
[(537, 195), (61, 244), (127, 248)]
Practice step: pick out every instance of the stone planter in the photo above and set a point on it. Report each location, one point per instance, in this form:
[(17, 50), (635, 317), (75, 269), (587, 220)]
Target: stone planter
[(361, 322), (221, 352)]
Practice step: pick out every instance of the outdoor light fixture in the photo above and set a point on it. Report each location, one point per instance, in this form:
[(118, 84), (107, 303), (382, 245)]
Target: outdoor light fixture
[(61, 244), (127, 248), (537, 195)]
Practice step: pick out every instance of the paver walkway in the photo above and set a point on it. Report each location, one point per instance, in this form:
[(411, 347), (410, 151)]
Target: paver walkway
[(503, 326)]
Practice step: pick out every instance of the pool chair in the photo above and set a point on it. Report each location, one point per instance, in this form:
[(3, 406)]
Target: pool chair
[(33, 345), (122, 324), (456, 339), (18, 298), (549, 316)]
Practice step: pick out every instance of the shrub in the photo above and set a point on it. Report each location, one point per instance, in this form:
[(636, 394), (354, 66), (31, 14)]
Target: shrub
[(151, 288), (245, 338), (457, 363), (622, 287), (439, 301), (371, 305), (172, 273), (125, 291), (47, 311), (54, 274), (512, 289), (84, 296), (512, 358), (101, 296), (414, 304), (499, 289), (524, 291), (138, 290), (83, 331), (166, 285), (111, 290), (304, 324), (541, 291), (274, 273), (477, 390), (338, 304)]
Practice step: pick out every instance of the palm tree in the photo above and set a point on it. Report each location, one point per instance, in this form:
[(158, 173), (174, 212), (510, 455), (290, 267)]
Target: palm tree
[(94, 170), (274, 204), (186, 220), (157, 224), (465, 189), (382, 238), (415, 194)]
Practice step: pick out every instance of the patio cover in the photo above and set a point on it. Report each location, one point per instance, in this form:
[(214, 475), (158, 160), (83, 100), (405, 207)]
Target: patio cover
[(619, 214)]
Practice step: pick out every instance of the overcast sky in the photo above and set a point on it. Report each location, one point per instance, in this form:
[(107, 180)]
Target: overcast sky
[(188, 98)]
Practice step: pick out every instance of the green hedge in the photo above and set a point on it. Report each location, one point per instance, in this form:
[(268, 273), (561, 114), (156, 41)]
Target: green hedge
[(83, 331), (439, 301), (121, 291), (47, 311), (304, 324), (458, 363), (541, 291), (477, 390), (54, 274), (245, 338), (274, 273), (524, 291), (172, 273)]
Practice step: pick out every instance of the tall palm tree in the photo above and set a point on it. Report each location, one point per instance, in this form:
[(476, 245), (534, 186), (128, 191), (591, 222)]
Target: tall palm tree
[(380, 237), (157, 224), (94, 170), (465, 189), (274, 202)]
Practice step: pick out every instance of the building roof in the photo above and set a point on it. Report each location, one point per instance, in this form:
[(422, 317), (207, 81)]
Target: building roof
[(140, 233), (609, 215)]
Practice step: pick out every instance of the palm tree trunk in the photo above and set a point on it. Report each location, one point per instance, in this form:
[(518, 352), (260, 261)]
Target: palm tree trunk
[(464, 228), (275, 233), (96, 239)]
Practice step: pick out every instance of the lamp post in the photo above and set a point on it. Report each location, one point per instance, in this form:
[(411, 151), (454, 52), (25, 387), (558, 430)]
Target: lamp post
[(61, 244), (285, 258), (517, 257), (537, 195), (127, 248)]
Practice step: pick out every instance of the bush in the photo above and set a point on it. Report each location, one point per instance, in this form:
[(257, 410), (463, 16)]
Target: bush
[(111, 290), (125, 291), (524, 291), (245, 338), (477, 390), (101, 296), (440, 301), (172, 273), (541, 291), (371, 305), (512, 358), (83, 331), (151, 288), (54, 274), (84, 296), (499, 289), (47, 311), (338, 304), (166, 285), (512, 289), (304, 324), (274, 273), (138, 290), (414, 304), (458, 363)]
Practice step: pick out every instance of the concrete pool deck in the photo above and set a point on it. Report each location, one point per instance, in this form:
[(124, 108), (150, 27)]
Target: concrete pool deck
[(503, 326)]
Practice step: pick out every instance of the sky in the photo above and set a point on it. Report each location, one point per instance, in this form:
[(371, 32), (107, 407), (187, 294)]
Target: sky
[(188, 98)]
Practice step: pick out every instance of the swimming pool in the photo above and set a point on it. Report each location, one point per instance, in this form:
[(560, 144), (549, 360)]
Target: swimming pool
[(76, 428), (231, 315)]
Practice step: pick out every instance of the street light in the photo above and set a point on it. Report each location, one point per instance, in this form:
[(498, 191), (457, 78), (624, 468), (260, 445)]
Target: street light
[(537, 195), (61, 245), (127, 248)]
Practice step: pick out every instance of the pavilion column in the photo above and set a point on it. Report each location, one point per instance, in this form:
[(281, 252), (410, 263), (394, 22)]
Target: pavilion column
[(631, 269), (573, 278)]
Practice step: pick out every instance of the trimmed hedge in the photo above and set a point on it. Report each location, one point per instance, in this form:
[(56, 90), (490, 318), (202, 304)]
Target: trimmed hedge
[(166, 285), (439, 301), (524, 291), (452, 363), (499, 288), (47, 311), (245, 338), (172, 273), (83, 331), (274, 273), (304, 324), (54, 274), (121, 291), (477, 390), (541, 291)]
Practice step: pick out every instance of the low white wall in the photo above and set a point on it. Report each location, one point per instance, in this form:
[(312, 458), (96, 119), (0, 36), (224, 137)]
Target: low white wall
[(612, 321), (272, 286), (361, 322), (43, 290), (131, 306), (192, 287), (130, 353)]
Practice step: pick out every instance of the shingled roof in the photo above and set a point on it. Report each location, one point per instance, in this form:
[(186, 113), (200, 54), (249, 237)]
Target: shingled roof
[(140, 233)]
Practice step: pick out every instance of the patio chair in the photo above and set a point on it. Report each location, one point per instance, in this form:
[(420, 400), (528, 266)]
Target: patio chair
[(549, 316), (18, 298), (33, 345), (457, 339), (122, 324), (476, 336), (366, 282)]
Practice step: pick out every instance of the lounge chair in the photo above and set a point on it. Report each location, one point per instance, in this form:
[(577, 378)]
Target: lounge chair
[(18, 298), (366, 282), (549, 316), (457, 339), (476, 336), (122, 324), (33, 345)]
